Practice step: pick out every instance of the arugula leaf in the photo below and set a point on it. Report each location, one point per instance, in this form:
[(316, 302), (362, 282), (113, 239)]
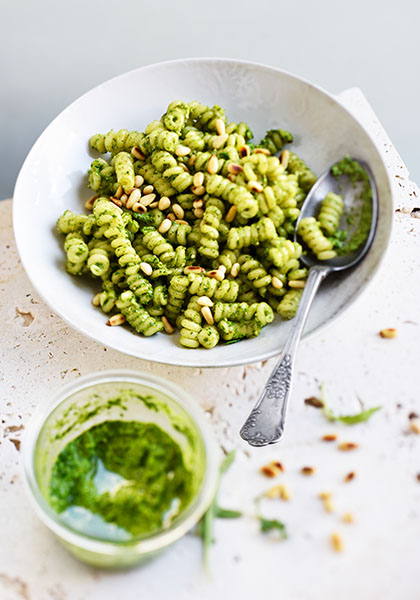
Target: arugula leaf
[(267, 525), (227, 462), (360, 417), (225, 513)]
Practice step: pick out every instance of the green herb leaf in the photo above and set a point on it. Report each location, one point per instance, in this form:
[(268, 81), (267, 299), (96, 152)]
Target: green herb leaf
[(360, 417), (227, 461), (233, 341), (267, 525), (225, 513)]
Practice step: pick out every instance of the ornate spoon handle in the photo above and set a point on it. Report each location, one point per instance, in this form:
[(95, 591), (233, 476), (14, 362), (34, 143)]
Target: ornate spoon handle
[(265, 424)]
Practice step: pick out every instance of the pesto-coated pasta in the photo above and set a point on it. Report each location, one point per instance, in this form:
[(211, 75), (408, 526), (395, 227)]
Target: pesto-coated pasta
[(192, 226), (331, 210)]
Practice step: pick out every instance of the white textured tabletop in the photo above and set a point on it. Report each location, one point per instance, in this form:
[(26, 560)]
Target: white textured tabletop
[(382, 545)]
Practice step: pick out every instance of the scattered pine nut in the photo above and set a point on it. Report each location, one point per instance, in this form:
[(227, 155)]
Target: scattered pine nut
[(297, 283), (182, 150), (138, 181), (336, 542), (220, 140), (165, 226), (208, 315), (265, 151), (415, 426), (220, 126), (350, 476), (244, 151), (413, 415), (116, 320), (235, 269), (348, 518), (255, 186), (148, 199), (284, 158), (328, 505), (167, 326), (388, 333), (124, 199), (212, 165), (193, 269), (222, 269), (120, 191), (216, 274), (205, 301), (89, 203), (171, 217), (346, 446), (231, 214), (148, 189), (315, 402), (115, 201), (329, 437), (199, 212), (198, 203), (133, 198), (198, 179), (164, 203), (234, 168), (276, 283), (281, 491), (198, 191), (192, 160), (139, 208), (418, 476), (96, 300), (272, 469), (307, 470), (146, 268), (178, 211), (154, 205), (325, 495), (137, 153)]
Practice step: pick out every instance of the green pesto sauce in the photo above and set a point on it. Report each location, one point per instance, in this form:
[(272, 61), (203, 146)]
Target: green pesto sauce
[(362, 216), (119, 480)]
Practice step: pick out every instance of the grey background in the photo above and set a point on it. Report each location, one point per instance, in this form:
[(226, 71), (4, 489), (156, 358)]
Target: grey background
[(51, 52)]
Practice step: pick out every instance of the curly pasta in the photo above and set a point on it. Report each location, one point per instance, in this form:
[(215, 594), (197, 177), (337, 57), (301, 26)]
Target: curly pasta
[(251, 235), (261, 312), (77, 253), (310, 232), (331, 210), (230, 330), (115, 141), (237, 195), (287, 308), (209, 228), (254, 272), (137, 316), (123, 164)]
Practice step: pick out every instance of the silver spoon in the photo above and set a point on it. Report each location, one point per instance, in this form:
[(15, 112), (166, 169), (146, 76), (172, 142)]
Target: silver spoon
[(265, 424)]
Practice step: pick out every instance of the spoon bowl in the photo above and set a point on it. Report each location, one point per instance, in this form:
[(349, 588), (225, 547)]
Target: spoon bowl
[(265, 424)]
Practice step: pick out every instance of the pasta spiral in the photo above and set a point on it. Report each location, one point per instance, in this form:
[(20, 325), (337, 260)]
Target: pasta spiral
[(190, 324), (123, 163), (254, 234), (254, 272), (70, 223), (162, 185), (177, 292), (288, 306), (331, 210), (176, 116), (98, 262), (77, 253), (230, 330), (209, 228), (281, 250), (226, 290), (204, 117), (102, 177), (115, 141), (305, 176), (261, 312), (275, 139), (137, 316), (108, 297), (311, 233), (159, 139), (244, 201), (155, 242)]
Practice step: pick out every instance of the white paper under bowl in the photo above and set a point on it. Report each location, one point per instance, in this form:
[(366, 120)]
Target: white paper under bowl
[(53, 179)]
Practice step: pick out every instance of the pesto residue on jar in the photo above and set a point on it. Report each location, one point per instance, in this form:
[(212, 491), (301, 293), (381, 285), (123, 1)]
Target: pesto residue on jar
[(120, 480), (362, 216)]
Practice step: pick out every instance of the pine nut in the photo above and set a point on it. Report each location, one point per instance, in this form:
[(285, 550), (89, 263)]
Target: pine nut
[(119, 192), (212, 165), (329, 437), (255, 186), (415, 426), (148, 199), (192, 160), (328, 505), (138, 181), (205, 301), (265, 151), (178, 211), (165, 226), (273, 492), (171, 217), (181, 221), (216, 274), (148, 189), (116, 201), (231, 177), (96, 300), (167, 326), (234, 168), (198, 179), (235, 270), (198, 191), (297, 283), (116, 320), (389, 333), (220, 126), (272, 469), (197, 203), (307, 470), (336, 542), (182, 150), (350, 476), (244, 151), (164, 203), (154, 205), (137, 153), (276, 283), (231, 214), (146, 268), (325, 495), (139, 208), (348, 518), (199, 212), (346, 446), (89, 203), (133, 198), (124, 199), (220, 140), (222, 269), (193, 269), (284, 158), (207, 314), (285, 492)]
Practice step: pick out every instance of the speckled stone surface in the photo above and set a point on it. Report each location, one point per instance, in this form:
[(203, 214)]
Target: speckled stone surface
[(381, 548)]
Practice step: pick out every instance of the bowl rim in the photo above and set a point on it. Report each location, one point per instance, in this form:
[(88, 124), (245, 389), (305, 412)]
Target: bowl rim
[(156, 541), (231, 361)]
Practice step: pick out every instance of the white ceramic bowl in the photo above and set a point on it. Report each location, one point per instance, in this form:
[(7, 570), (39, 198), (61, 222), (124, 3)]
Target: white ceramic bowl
[(53, 178)]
